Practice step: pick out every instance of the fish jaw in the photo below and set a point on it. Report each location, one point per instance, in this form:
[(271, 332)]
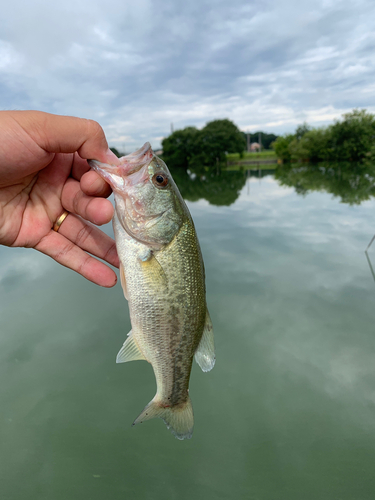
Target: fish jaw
[(119, 176), (135, 161), (110, 173)]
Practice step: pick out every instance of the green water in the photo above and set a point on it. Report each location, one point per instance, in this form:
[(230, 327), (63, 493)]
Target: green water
[(288, 413)]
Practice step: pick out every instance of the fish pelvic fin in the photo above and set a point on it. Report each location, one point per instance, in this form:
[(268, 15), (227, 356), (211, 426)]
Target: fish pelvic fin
[(129, 351), (179, 419), (205, 353)]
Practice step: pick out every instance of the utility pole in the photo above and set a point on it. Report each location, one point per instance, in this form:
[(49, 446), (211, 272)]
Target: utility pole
[(248, 142), (260, 142), (172, 130)]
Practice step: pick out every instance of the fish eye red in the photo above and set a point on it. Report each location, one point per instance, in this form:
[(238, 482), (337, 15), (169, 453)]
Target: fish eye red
[(160, 180)]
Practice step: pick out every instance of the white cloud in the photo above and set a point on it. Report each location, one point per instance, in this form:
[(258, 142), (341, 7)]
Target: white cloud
[(138, 67), (10, 60)]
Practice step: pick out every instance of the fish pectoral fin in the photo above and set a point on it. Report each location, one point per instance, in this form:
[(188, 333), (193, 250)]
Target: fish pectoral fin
[(129, 351), (144, 254), (205, 353), (156, 272), (123, 281)]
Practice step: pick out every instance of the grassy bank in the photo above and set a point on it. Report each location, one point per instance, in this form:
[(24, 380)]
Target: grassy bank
[(255, 167), (264, 155)]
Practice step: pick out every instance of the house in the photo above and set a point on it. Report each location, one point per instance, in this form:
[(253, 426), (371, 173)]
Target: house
[(254, 146)]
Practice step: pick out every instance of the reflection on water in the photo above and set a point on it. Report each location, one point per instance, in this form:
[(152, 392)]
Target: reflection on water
[(218, 188), (351, 182), (286, 414)]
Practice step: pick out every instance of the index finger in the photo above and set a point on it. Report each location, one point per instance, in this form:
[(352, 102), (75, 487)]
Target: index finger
[(67, 134)]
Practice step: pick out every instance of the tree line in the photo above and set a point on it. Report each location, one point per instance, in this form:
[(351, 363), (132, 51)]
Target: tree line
[(196, 149), (349, 139)]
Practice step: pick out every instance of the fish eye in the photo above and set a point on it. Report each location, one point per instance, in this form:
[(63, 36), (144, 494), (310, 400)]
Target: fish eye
[(160, 179)]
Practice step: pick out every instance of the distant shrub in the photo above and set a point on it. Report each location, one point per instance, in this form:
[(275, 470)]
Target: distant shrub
[(281, 147), (351, 139)]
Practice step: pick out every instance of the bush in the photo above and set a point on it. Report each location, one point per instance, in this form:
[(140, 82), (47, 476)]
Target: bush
[(351, 139), (313, 145), (281, 147), (354, 137)]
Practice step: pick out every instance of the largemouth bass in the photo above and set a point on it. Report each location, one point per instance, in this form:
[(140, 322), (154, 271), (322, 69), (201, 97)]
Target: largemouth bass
[(162, 276)]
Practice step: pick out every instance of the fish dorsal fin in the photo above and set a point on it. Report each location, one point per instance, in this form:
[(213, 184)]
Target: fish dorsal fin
[(123, 281), (129, 351), (205, 353)]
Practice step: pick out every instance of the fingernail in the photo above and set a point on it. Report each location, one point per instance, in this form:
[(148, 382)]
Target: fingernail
[(112, 158)]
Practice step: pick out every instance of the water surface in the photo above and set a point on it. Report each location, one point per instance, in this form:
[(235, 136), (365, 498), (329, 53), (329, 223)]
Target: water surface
[(288, 413)]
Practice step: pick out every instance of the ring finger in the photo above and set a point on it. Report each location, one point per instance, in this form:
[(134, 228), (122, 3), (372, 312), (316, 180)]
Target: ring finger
[(90, 239)]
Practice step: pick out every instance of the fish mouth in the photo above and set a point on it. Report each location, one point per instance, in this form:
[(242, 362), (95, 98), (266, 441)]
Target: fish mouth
[(129, 164), (133, 162)]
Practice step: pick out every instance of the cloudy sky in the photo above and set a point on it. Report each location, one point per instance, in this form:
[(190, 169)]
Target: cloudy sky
[(137, 67)]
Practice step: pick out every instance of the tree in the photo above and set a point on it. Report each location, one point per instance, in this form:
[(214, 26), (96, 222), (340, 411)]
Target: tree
[(195, 149), (180, 146), (301, 130), (267, 139), (353, 137), (219, 137), (281, 147), (313, 145)]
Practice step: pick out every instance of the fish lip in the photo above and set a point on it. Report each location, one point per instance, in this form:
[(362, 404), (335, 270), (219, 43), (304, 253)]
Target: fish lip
[(138, 158), (99, 167), (128, 165)]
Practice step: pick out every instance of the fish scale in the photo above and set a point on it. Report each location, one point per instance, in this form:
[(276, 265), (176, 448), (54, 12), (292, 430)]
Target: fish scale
[(162, 274)]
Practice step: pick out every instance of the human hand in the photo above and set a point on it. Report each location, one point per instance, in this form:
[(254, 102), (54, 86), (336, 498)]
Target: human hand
[(43, 172)]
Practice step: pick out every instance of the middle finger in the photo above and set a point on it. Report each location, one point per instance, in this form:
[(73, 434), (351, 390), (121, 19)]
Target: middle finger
[(91, 183), (94, 209)]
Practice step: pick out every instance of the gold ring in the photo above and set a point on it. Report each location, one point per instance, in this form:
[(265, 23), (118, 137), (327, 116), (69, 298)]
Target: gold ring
[(60, 220)]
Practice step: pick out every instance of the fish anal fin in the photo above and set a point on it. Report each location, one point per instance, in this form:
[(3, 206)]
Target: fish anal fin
[(129, 351), (179, 419), (205, 353), (123, 281)]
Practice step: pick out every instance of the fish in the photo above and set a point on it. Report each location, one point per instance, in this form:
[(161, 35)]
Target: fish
[(163, 279)]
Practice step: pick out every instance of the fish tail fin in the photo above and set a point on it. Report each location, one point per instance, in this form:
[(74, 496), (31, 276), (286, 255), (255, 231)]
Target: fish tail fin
[(179, 419)]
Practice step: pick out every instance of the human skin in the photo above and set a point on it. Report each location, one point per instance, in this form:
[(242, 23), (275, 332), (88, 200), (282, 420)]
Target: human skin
[(43, 172)]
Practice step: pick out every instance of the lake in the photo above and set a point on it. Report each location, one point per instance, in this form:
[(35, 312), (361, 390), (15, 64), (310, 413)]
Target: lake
[(288, 412)]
